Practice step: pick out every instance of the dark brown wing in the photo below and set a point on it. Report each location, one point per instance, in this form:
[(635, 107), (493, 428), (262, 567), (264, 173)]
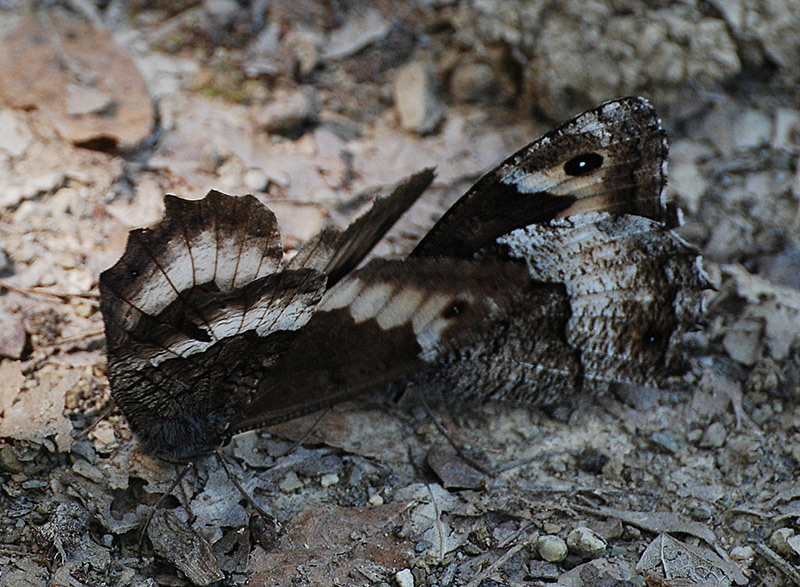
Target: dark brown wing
[(187, 296), (198, 309), (380, 323), (611, 158)]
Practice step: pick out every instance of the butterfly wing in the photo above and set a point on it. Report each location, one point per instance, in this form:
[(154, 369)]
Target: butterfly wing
[(336, 252), (582, 206), (611, 158), (199, 307)]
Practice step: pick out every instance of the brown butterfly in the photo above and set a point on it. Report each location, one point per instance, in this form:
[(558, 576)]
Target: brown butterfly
[(557, 271)]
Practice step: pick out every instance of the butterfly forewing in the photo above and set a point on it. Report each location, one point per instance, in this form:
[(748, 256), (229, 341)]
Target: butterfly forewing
[(612, 158)]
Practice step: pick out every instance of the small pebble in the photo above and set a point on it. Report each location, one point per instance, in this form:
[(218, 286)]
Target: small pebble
[(762, 415), (290, 483), (794, 543), (743, 553), (714, 436), (543, 570), (256, 180), (329, 479), (752, 129), (552, 549), (422, 546), (585, 543), (666, 441), (779, 541), (701, 513), (694, 436), (404, 578), (375, 499), (630, 532), (289, 111), (415, 99), (742, 525), (551, 528), (91, 472)]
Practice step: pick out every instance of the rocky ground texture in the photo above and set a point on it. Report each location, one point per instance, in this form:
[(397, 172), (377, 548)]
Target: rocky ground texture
[(107, 105)]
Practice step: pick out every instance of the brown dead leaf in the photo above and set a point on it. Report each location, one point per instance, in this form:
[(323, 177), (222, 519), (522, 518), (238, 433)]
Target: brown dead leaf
[(88, 86), (326, 544), (676, 560), (455, 472)]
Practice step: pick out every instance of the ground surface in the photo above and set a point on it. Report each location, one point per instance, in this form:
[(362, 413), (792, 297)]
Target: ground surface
[(310, 105)]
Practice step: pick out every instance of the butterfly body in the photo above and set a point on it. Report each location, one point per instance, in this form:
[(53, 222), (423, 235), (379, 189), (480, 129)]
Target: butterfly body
[(555, 271)]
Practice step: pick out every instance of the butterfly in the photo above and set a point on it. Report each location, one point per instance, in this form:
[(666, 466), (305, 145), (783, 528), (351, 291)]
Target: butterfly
[(556, 272)]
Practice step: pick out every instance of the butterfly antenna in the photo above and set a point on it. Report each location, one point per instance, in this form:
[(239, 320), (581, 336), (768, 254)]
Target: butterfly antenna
[(104, 413), (271, 525), (439, 421), (159, 503), (306, 434)]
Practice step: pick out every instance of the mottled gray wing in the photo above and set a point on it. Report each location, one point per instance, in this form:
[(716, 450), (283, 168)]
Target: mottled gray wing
[(583, 207), (611, 158), (634, 290)]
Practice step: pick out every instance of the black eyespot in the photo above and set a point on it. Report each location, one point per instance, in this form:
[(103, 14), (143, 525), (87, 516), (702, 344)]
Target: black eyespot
[(583, 164), (454, 309)]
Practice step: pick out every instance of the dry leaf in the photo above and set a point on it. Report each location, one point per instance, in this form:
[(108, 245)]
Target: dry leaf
[(87, 85), (39, 412)]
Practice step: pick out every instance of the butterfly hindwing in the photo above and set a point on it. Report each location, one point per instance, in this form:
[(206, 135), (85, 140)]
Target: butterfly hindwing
[(381, 323)]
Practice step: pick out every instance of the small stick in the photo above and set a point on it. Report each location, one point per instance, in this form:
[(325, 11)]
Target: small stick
[(501, 561), (780, 564), (63, 296), (102, 416)]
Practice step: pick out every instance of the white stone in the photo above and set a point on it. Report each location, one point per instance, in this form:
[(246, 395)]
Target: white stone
[(787, 128), (418, 107), (551, 548), (290, 482), (585, 543), (14, 133), (329, 479), (404, 578), (256, 180), (752, 129)]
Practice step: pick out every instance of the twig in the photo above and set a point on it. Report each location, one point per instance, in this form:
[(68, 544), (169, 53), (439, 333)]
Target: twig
[(774, 559), (63, 296), (476, 580), (102, 416)]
